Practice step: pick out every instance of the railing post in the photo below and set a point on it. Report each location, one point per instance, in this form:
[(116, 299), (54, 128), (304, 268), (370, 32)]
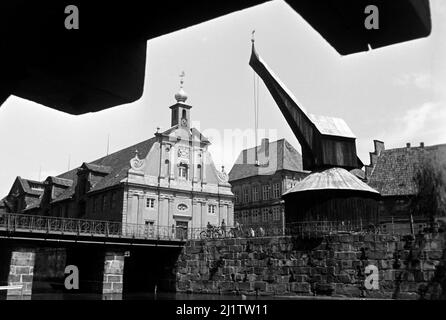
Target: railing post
[(106, 229)]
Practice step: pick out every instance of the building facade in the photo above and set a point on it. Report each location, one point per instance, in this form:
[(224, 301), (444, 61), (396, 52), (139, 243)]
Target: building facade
[(169, 180), (258, 182)]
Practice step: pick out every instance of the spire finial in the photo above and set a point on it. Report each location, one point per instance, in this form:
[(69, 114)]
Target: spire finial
[(182, 75), (181, 96), (252, 36)]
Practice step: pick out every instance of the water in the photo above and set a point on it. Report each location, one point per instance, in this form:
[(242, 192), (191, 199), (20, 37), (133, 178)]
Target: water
[(168, 296), (139, 296)]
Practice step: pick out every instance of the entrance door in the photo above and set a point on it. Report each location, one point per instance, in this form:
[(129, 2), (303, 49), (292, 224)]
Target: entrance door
[(181, 229)]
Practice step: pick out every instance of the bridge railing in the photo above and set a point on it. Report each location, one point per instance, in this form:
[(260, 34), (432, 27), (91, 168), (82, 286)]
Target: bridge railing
[(59, 225), (301, 229), (81, 227)]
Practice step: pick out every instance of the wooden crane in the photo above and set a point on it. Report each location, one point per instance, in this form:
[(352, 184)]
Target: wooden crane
[(326, 141)]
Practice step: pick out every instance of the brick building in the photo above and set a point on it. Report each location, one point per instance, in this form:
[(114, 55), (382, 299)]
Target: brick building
[(392, 172), (259, 182), (168, 180)]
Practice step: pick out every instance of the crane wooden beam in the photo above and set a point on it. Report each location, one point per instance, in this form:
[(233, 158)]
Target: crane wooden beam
[(326, 141)]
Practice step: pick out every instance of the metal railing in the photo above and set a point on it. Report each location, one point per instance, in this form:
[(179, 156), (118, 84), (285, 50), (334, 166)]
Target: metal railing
[(83, 227)]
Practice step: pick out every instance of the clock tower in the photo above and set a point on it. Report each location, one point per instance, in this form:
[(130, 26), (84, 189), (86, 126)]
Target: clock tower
[(181, 110)]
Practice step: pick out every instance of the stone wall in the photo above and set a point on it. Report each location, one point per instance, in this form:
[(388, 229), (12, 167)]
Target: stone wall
[(21, 271), (408, 267)]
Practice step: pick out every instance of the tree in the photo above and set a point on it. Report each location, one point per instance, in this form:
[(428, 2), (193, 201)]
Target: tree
[(430, 181)]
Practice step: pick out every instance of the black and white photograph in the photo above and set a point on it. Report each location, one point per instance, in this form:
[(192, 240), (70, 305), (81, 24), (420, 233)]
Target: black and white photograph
[(234, 153)]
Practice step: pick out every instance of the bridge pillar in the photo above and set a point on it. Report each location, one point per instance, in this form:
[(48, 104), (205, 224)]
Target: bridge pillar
[(113, 272), (21, 271)]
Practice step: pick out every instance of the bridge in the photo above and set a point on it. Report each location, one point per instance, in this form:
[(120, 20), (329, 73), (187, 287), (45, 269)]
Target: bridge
[(113, 257), (37, 248), (50, 228)]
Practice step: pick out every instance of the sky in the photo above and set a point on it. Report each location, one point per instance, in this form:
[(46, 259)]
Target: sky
[(393, 94)]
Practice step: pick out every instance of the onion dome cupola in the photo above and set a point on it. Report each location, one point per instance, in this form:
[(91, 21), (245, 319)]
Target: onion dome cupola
[(180, 110)]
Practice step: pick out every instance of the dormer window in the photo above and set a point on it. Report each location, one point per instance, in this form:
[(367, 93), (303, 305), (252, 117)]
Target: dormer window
[(183, 171)]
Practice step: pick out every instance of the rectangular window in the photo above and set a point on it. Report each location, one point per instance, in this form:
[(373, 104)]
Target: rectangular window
[(245, 216), (266, 192), (276, 191), (255, 215), (182, 173), (150, 203), (255, 193), (264, 214), (237, 196), (212, 208), (246, 195), (276, 214)]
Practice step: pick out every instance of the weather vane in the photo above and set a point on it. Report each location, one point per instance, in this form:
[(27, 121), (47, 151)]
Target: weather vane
[(182, 78)]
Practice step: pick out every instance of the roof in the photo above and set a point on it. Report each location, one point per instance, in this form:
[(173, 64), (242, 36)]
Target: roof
[(359, 173), (116, 165), (60, 181), (395, 169), (331, 179), (282, 156), (331, 126), (27, 186), (98, 168)]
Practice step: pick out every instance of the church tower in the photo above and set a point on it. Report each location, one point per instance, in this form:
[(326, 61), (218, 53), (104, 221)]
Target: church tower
[(181, 110)]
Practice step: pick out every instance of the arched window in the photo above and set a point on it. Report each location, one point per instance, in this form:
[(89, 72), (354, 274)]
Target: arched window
[(167, 168), (183, 114), (183, 171), (199, 173)]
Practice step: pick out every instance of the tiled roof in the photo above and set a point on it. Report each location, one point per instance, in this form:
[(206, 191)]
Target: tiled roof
[(61, 181), (359, 173), (282, 156), (25, 183), (395, 169), (331, 179), (116, 165), (98, 168)]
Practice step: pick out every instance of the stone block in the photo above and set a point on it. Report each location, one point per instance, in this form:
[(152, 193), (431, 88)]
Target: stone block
[(302, 270), (117, 287), (14, 278), (114, 278), (377, 255), (344, 278), (301, 278), (260, 285), (324, 288), (346, 238), (429, 265), (407, 296), (435, 254), (226, 285), (345, 255), (347, 290), (245, 286)]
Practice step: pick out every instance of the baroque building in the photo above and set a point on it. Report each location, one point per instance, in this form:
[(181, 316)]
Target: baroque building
[(259, 177), (169, 180)]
